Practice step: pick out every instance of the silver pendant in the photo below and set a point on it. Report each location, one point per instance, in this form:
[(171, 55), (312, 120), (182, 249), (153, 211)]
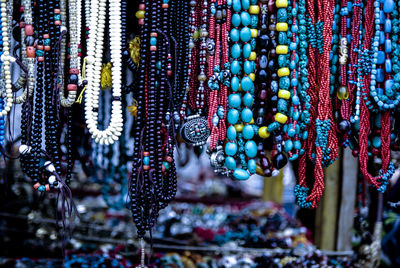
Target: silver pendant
[(195, 130)]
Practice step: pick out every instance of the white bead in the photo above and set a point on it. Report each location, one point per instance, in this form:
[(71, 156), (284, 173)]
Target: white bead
[(24, 149), (52, 179)]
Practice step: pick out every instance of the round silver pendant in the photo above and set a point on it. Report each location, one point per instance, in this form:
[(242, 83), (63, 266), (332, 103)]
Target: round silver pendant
[(195, 130)]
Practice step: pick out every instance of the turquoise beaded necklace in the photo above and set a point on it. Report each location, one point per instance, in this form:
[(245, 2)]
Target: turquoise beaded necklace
[(389, 97), (240, 146)]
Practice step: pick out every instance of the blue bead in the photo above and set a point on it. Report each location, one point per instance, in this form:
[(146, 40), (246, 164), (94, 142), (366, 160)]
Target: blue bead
[(230, 148), (245, 16), (241, 174), (247, 84), (234, 100), (388, 65), (288, 145), (237, 6), (233, 116), (153, 41), (381, 57), (230, 163), (380, 75), (245, 34), (248, 132), (388, 45), (305, 135), (295, 100), (246, 51), (297, 145), (388, 84), (246, 115), (236, 20), (235, 67), (231, 133), (245, 4), (252, 166), (291, 132), (388, 25), (146, 160), (41, 188), (235, 35), (250, 149), (382, 16), (248, 99), (388, 6), (235, 83), (349, 6), (248, 67), (381, 37), (236, 51)]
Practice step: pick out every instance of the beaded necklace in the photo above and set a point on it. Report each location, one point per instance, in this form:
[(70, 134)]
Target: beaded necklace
[(93, 68), (195, 130), (241, 124)]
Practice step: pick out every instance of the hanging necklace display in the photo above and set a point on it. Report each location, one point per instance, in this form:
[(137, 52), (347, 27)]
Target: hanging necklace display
[(194, 129), (93, 69)]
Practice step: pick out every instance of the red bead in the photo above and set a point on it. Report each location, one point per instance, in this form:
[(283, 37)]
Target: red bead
[(72, 87), (28, 29)]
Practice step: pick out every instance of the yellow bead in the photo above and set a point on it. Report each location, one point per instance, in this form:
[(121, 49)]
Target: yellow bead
[(196, 35), (254, 9), (140, 14), (254, 33), (342, 93), (282, 26), (281, 118), (259, 170), (282, 50), (281, 3), (252, 76), (239, 127), (284, 94), (263, 133), (253, 55), (251, 122), (283, 72)]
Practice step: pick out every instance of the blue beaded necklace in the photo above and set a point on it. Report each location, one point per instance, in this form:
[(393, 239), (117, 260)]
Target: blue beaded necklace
[(388, 97), (240, 146)]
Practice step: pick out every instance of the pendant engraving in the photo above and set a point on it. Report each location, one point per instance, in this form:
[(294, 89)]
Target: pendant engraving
[(195, 130)]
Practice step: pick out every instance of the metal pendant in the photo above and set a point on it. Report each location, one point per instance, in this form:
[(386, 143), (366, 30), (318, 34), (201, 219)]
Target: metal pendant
[(195, 130)]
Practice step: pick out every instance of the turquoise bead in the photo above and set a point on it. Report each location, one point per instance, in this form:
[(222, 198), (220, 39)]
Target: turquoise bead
[(231, 133), (241, 174), (245, 34), (296, 100), (252, 166), (247, 84), (235, 35), (248, 67), (376, 142), (234, 100), (273, 126), (230, 148), (233, 116), (291, 132), (288, 146), (245, 17), (236, 51), (305, 135), (248, 132), (236, 20), (146, 160), (235, 83), (246, 115), (297, 145), (237, 6), (293, 157), (250, 149), (245, 4), (296, 115), (235, 67), (246, 51), (153, 41), (248, 99), (42, 188), (388, 6), (230, 163)]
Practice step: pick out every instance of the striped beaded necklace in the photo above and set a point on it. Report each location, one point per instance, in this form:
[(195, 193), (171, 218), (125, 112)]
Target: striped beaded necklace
[(241, 146)]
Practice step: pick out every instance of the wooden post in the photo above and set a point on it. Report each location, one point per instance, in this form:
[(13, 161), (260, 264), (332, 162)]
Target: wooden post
[(327, 211), (348, 199)]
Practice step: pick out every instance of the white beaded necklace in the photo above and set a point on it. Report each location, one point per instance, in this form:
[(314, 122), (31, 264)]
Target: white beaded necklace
[(93, 69), (6, 58)]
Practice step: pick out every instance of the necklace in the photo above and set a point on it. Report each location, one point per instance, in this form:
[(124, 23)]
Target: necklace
[(93, 66)]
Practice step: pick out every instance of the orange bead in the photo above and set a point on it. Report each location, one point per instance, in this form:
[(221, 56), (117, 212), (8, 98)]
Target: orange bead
[(47, 187), (72, 87), (28, 29), (57, 11), (153, 48), (30, 52), (146, 154), (153, 34), (36, 186), (47, 48), (146, 167), (164, 5), (40, 58), (46, 36), (57, 22), (39, 47), (142, 7), (74, 71)]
